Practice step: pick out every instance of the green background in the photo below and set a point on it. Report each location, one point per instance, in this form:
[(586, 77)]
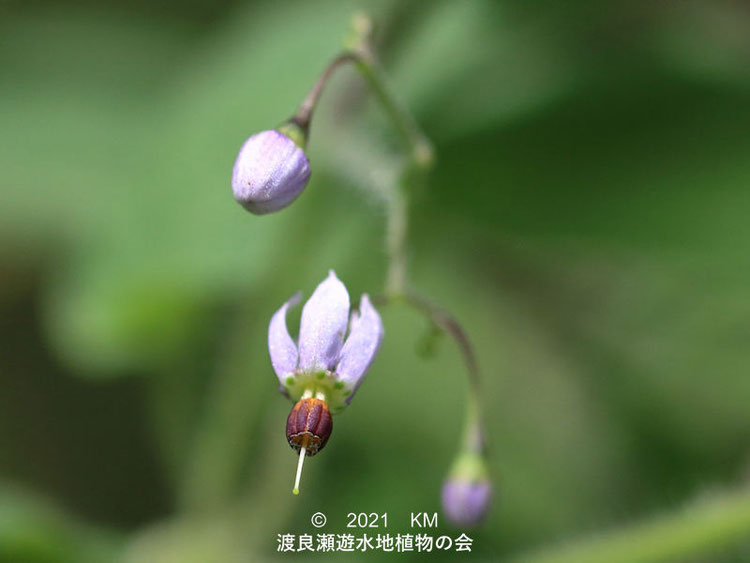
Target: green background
[(587, 221)]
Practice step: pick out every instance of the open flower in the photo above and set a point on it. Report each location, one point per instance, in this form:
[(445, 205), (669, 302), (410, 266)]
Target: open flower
[(327, 367), (271, 170)]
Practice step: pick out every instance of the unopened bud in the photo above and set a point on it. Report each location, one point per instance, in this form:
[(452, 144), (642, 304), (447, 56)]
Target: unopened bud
[(271, 170), (467, 491), (465, 503)]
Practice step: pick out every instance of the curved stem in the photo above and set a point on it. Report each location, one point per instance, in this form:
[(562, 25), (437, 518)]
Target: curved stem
[(474, 434), (420, 148), (421, 158), (449, 324), (421, 152), (304, 113), (363, 56)]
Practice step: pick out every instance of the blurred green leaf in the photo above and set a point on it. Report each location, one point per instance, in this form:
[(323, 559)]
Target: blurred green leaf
[(34, 531)]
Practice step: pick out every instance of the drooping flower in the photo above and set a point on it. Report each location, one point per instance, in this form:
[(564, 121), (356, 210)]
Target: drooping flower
[(271, 170), (324, 370)]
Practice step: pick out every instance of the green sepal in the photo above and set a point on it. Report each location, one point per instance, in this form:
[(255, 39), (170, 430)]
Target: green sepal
[(295, 133), (469, 466), (335, 391)]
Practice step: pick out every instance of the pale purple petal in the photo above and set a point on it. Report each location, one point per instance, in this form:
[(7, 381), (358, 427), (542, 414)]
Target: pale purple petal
[(269, 173), (323, 325), (366, 334), (466, 503), (281, 347)]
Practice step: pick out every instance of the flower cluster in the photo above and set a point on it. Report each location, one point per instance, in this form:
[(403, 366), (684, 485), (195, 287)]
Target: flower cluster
[(322, 370)]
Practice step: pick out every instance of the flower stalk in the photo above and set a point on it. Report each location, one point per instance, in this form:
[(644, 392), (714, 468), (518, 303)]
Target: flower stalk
[(420, 158), (362, 54)]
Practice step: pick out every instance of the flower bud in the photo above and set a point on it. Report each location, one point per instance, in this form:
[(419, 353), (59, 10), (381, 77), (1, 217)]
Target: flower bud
[(465, 503), (467, 491), (271, 170)]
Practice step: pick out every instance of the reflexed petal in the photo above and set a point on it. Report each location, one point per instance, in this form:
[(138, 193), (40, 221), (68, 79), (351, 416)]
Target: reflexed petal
[(323, 325), (280, 345), (361, 346)]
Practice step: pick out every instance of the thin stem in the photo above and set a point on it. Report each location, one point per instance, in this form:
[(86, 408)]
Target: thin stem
[(396, 232), (363, 56), (305, 111), (420, 148), (421, 158), (449, 324), (473, 428), (474, 435)]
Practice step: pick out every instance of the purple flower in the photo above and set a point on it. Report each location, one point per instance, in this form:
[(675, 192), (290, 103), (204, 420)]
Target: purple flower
[(465, 502), (327, 362), (271, 170)]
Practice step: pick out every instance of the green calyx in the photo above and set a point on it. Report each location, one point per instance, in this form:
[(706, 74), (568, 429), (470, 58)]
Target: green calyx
[(335, 391), (296, 133), (469, 466)]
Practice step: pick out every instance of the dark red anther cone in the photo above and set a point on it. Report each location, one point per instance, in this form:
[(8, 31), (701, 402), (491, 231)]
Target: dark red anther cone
[(309, 424)]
